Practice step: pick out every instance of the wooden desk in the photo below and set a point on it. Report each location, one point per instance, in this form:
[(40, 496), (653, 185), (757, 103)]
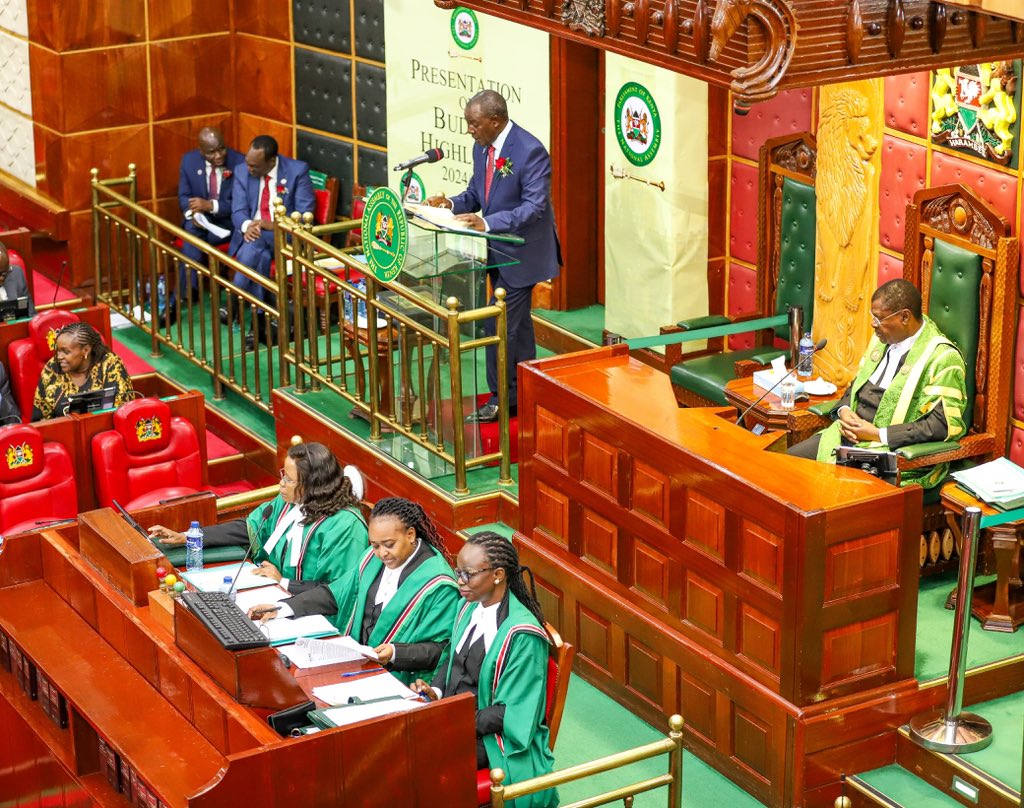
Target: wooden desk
[(999, 605), (752, 591), (800, 423), (127, 684)]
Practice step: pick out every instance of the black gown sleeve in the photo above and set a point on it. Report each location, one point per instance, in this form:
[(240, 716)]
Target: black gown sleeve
[(228, 534), (417, 656), (316, 600)]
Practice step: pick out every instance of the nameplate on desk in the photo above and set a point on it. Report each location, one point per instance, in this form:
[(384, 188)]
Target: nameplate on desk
[(120, 555)]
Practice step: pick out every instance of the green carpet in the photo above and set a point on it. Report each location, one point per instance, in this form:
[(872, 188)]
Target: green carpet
[(593, 726), (935, 633), (587, 322), (907, 789), (188, 375), (1002, 759)]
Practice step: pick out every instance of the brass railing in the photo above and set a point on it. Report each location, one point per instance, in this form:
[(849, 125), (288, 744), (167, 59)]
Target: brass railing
[(305, 322), (673, 779)]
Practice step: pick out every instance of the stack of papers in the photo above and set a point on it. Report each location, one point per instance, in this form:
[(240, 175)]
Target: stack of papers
[(211, 579), (289, 629), (311, 653), (999, 483), (352, 713), (364, 689)]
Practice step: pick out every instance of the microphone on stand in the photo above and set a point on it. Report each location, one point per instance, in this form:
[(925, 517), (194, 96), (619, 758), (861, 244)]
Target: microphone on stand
[(430, 156), (821, 344), (267, 511), (60, 277)]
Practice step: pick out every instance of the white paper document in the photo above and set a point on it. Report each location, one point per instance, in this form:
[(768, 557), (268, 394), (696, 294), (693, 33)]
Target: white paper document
[(264, 594), (211, 579), (201, 220), (365, 688), (290, 629), (340, 716), (441, 218), (312, 653)]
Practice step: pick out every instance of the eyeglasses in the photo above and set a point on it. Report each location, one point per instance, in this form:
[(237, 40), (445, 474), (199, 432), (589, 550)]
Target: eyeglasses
[(875, 321), (465, 576), (286, 479)]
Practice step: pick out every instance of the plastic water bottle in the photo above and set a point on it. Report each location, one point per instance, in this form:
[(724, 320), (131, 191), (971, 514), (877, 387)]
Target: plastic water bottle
[(225, 586), (161, 296), (361, 307), (194, 548), (805, 366)]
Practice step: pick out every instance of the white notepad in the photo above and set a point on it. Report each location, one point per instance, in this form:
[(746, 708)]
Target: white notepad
[(211, 579), (340, 716), (365, 688)]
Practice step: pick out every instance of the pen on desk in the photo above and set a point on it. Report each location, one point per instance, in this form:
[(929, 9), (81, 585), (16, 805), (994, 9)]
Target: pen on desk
[(261, 612), (360, 673)]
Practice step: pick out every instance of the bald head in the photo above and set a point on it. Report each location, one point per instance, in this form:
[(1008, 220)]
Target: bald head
[(211, 146)]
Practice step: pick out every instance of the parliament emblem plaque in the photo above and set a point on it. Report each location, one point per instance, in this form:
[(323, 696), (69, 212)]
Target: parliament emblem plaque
[(637, 123)]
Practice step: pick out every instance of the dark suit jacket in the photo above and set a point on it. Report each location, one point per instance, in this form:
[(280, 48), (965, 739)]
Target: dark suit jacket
[(930, 427), (293, 186), (192, 182), (520, 204), (9, 412), (16, 286)]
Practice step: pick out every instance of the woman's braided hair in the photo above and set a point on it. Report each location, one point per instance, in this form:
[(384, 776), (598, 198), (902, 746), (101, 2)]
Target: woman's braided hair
[(88, 337), (412, 516), (502, 554)]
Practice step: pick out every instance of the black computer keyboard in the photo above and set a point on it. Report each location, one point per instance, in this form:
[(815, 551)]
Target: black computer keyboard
[(225, 620)]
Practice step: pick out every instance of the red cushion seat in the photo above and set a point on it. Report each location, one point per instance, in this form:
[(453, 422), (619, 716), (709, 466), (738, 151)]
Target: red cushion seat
[(37, 480), (26, 357), (148, 456)]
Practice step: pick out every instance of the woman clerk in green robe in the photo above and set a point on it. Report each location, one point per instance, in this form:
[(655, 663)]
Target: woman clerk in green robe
[(499, 651), (311, 531), (406, 596)]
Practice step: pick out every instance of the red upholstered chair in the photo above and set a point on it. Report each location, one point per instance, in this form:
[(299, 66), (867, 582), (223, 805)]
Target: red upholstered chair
[(148, 456), (26, 357), (557, 686), (37, 480)]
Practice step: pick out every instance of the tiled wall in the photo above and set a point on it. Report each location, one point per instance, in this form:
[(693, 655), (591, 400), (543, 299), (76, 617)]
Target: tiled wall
[(114, 83)]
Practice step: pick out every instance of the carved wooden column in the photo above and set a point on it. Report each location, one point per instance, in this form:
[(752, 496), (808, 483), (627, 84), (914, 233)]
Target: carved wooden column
[(850, 123)]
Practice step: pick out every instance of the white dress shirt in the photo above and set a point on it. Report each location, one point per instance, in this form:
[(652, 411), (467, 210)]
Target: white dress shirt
[(259, 193)]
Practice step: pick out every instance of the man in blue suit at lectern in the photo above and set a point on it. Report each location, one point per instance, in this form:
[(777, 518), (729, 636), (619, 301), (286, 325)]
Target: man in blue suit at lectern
[(511, 189), (269, 175)]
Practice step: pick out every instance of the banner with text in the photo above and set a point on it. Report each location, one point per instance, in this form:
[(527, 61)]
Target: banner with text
[(436, 61), (656, 197)]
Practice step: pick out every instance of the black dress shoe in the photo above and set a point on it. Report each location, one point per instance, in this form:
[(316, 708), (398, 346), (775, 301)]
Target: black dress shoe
[(487, 414), (225, 318)]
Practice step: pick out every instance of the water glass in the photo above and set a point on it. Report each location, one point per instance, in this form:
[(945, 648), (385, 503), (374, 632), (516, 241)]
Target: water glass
[(787, 395)]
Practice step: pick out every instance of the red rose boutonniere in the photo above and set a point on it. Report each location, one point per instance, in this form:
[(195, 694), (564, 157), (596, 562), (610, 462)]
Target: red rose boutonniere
[(504, 166), (281, 190), (226, 174)]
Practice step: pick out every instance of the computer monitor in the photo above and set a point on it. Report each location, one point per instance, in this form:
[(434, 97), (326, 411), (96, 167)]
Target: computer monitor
[(13, 309), (92, 400)]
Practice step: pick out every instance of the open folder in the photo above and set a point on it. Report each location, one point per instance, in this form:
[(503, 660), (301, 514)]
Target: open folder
[(289, 629)]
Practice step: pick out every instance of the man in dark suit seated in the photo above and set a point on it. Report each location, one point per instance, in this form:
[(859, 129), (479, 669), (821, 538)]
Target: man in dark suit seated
[(205, 182), (269, 175), (13, 283), (511, 189), (910, 387), (9, 412)]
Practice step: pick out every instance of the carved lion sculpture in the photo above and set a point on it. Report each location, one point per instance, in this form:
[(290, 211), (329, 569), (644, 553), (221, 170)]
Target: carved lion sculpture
[(845, 186)]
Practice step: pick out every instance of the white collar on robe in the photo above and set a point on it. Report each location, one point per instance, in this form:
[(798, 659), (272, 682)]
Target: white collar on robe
[(485, 618), (288, 527), (389, 579)]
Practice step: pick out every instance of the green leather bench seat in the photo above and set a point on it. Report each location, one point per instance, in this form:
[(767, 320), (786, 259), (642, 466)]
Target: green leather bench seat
[(211, 555), (707, 375)]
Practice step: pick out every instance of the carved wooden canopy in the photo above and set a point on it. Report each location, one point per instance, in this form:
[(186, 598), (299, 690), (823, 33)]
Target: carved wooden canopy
[(759, 47), (1013, 9)]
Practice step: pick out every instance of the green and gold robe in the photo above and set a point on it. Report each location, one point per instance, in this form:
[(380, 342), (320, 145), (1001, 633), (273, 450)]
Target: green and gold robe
[(933, 373)]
